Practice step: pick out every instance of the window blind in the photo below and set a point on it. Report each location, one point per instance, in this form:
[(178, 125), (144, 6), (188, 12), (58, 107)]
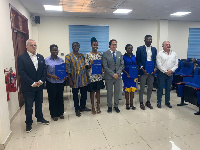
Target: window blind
[(194, 43), (83, 34)]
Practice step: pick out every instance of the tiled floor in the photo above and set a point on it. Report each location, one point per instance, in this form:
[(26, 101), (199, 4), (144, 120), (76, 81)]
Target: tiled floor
[(157, 129)]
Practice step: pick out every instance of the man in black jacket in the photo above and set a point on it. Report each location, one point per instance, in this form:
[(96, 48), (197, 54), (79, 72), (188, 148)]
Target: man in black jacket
[(32, 70)]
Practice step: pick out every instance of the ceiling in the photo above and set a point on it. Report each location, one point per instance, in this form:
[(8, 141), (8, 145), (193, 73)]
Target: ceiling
[(142, 9)]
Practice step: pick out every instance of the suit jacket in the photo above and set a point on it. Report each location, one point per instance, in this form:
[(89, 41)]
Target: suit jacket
[(28, 73), (110, 66), (141, 57)]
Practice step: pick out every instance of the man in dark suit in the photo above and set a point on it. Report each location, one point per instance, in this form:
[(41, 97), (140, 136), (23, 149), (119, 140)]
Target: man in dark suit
[(32, 70), (113, 64), (146, 53)]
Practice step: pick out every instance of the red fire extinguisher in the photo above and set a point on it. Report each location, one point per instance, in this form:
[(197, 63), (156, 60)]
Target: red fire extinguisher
[(10, 80)]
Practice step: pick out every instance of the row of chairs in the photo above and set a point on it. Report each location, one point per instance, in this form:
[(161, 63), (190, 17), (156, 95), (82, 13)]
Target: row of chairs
[(187, 83)]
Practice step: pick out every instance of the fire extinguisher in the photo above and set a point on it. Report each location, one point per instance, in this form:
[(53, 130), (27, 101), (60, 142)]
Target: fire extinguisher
[(10, 80)]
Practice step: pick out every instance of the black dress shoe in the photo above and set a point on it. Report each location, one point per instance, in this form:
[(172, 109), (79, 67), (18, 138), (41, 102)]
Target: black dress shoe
[(28, 128), (78, 113), (109, 110), (197, 113), (159, 105), (168, 105), (85, 109), (116, 109), (43, 121)]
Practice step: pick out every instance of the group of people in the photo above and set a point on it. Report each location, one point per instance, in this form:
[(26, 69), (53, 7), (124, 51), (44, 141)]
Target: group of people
[(34, 70)]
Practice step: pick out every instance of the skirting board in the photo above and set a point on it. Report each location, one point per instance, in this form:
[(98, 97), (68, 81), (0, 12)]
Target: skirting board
[(3, 146), (13, 117)]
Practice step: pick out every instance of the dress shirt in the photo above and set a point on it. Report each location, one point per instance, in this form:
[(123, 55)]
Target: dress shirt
[(167, 61), (34, 59), (149, 53), (112, 52), (50, 63)]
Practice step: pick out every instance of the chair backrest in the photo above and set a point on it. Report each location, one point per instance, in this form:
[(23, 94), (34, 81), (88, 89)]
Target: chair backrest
[(187, 68), (196, 77)]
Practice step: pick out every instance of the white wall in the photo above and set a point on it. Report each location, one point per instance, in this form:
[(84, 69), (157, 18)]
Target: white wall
[(178, 35), (8, 109), (54, 30)]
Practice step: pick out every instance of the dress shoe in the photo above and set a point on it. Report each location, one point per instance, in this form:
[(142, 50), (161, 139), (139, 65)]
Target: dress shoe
[(62, 117), (142, 106), (159, 105), (28, 128), (132, 107), (43, 121), (85, 109), (109, 110), (127, 107), (148, 104), (55, 118), (116, 109), (168, 105), (78, 113), (197, 113)]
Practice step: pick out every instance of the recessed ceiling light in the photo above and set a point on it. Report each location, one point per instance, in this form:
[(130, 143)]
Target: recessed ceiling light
[(53, 7), (122, 11), (180, 13)]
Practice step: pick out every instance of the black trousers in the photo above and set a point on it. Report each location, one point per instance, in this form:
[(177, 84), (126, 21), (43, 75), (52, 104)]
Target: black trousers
[(83, 99), (29, 98), (55, 96)]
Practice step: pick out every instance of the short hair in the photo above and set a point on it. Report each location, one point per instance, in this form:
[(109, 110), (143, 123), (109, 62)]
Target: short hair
[(29, 41), (146, 36), (110, 42), (164, 43), (53, 45), (127, 45), (74, 43), (93, 39)]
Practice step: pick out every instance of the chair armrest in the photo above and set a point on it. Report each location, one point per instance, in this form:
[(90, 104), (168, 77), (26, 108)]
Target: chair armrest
[(186, 75), (181, 83)]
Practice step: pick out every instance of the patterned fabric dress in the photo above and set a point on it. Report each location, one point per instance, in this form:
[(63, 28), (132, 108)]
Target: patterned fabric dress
[(129, 83), (95, 80)]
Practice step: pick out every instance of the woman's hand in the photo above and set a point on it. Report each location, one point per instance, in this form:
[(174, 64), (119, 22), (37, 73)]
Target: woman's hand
[(55, 77)]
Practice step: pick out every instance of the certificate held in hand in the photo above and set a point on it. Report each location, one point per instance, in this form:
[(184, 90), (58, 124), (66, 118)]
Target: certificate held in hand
[(60, 71), (149, 67), (133, 71), (97, 67)]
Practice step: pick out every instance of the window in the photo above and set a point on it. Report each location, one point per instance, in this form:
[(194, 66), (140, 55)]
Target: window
[(83, 34), (194, 43)]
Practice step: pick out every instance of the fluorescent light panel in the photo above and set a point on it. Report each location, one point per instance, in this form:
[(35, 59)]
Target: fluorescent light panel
[(180, 13), (53, 7), (122, 11)]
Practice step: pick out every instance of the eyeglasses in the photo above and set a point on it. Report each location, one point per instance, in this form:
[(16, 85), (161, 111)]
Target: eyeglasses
[(33, 45), (55, 50)]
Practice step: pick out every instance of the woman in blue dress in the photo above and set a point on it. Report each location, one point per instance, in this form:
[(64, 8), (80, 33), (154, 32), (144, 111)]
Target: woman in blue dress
[(129, 83)]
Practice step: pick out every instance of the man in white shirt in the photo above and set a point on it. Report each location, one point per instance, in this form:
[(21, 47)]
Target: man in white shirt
[(32, 71), (167, 63)]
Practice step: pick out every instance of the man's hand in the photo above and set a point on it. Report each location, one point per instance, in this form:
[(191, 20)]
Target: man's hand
[(39, 83), (145, 72), (128, 75), (70, 83), (154, 71), (115, 76), (35, 85), (169, 72)]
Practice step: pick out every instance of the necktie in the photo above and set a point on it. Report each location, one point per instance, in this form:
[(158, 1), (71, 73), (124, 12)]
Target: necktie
[(114, 57)]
